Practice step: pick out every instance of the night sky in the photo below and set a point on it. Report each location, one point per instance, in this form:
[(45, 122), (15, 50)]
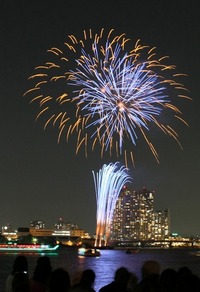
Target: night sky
[(41, 179)]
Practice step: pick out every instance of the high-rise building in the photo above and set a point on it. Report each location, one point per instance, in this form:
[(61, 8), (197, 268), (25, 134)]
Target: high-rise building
[(161, 224), (134, 217)]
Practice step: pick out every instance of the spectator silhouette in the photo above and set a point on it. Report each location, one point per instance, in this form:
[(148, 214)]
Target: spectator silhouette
[(20, 265), (41, 274), (150, 277), (76, 278), (168, 280), (183, 271), (187, 281), (86, 282), (59, 281), (132, 283), (20, 282), (120, 283)]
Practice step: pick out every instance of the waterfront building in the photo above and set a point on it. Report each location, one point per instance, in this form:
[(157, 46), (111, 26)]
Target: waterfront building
[(8, 232), (78, 232), (62, 232), (40, 232), (161, 224), (62, 225), (68, 229), (38, 228), (23, 231), (37, 224), (135, 219)]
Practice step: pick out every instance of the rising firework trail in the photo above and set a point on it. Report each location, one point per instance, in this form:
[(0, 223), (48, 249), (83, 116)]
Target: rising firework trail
[(107, 91), (108, 182)]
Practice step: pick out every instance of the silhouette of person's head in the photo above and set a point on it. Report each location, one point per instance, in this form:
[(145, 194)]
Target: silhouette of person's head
[(87, 277), (168, 279), (150, 267), (184, 271), (42, 269), (20, 264), (59, 280), (190, 282), (122, 276)]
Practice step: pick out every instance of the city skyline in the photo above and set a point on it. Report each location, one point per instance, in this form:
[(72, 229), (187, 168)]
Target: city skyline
[(41, 178), (102, 227)]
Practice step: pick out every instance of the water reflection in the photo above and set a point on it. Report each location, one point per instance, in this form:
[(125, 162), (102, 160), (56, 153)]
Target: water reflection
[(106, 265)]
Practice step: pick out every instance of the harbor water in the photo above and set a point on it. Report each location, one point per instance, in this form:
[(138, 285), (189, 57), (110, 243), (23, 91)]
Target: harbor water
[(105, 265)]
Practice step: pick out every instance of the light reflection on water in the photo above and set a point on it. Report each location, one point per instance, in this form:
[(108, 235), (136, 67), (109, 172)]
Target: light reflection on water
[(105, 265)]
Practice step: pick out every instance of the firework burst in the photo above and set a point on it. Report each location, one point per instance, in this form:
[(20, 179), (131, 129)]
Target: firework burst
[(106, 91), (109, 182)]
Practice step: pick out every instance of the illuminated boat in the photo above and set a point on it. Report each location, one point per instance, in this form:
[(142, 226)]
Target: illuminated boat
[(40, 248), (89, 252)]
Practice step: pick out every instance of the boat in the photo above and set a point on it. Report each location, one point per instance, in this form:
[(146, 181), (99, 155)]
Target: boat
[(89, 252), (195, 253), (132, 251), (18, 248)]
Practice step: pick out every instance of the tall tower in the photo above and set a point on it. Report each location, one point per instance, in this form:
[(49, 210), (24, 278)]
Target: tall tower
[(143, 206), (133, 216), (161, 224)]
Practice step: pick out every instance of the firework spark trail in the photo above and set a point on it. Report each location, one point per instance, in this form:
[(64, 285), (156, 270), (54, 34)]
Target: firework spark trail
[(105, 93), (108, 182)]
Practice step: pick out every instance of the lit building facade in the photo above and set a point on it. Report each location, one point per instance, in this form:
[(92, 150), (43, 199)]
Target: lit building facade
[(37, 224), (161, 224), (67, 226), (8, 232), (134, 217)]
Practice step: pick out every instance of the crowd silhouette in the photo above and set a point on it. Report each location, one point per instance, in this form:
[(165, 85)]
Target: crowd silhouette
[(47, 279)]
